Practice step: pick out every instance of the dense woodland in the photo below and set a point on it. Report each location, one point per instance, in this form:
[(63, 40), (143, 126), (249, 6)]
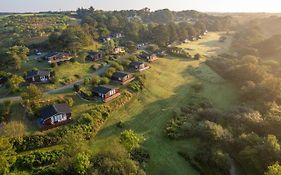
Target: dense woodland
[(248, 134)]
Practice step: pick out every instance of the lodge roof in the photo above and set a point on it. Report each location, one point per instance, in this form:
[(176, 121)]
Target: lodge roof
[(103, 89), (136, 63), (54, 109), (38, 73), (120, 74)]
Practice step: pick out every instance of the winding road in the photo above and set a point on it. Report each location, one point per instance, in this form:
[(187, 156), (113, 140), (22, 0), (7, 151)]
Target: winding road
[(53, 91)]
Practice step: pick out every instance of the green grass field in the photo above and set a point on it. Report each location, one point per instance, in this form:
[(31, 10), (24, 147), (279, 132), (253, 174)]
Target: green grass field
[(207, 46), (167, 89)]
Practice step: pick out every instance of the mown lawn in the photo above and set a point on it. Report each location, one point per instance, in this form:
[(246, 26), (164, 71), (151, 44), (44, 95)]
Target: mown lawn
[(167, 89), (209, 45)]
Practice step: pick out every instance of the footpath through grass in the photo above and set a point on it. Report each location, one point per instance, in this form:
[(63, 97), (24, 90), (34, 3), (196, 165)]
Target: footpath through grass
[(167, 90)]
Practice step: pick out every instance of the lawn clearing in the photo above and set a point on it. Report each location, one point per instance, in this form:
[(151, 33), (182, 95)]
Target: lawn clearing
[(167, 90), (209, 45)]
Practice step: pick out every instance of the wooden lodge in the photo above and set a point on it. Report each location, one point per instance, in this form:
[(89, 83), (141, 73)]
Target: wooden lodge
[(106, 93), (39, 76), (138, 66), (57, 57), (148, 57), (55, 115), (118, 50), (94, 56), (122, 77)]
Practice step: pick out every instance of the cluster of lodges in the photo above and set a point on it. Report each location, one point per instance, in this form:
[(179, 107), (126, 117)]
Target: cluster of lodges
[(107, 93), (59, 114)]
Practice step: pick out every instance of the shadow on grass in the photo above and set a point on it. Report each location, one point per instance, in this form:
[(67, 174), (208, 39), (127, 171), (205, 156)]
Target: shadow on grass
[(150, 121)]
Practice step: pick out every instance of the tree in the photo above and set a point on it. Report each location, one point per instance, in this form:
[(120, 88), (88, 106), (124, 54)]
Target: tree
[(272, 145), (104, 80), (160, 35), (152, 48), (95, 80), (131, 46), (17, 54), (32, 93), (213, 131), (69, 101), (108, 73), (75, 153), (14, 82), (7, 155), (81, 163), (274, 169), (116, 162), (130, 139)]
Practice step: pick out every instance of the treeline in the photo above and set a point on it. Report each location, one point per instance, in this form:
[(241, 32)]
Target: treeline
[(255, 125), (146, 26), (19, 29)]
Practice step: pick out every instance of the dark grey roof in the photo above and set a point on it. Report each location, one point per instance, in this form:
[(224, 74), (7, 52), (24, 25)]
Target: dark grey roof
[(102, 89), (51, 54), (120, 74), (51, 110), (38, 73), (136, 63)]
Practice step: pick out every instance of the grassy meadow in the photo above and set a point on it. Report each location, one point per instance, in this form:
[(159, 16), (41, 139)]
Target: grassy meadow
[(167, 90)]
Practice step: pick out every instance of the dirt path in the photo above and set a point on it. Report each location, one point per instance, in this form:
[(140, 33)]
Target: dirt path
[(58, 90)]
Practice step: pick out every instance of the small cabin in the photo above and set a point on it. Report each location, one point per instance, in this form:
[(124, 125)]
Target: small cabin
[(122, 77), (117, 35), (55, 115), (138, 66), (106, 93), (148, 57), (118, 50), (94, 56), (56, 57), (39, 76)]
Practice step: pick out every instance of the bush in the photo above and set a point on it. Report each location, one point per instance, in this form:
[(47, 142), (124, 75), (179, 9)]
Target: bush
[(129, 139), (76, 87), (69, 101), (197, 56), (141, 155), (36, 159), (138, 84), (104, 80), (87, 81), (95, 80), (108, 73), (36, 141), (120, 124)]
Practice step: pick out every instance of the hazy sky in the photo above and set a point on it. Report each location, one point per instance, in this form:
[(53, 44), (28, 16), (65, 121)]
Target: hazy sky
[(201, 5)]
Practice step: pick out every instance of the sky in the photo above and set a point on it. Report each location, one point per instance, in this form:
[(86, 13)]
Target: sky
[(200, 5)]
